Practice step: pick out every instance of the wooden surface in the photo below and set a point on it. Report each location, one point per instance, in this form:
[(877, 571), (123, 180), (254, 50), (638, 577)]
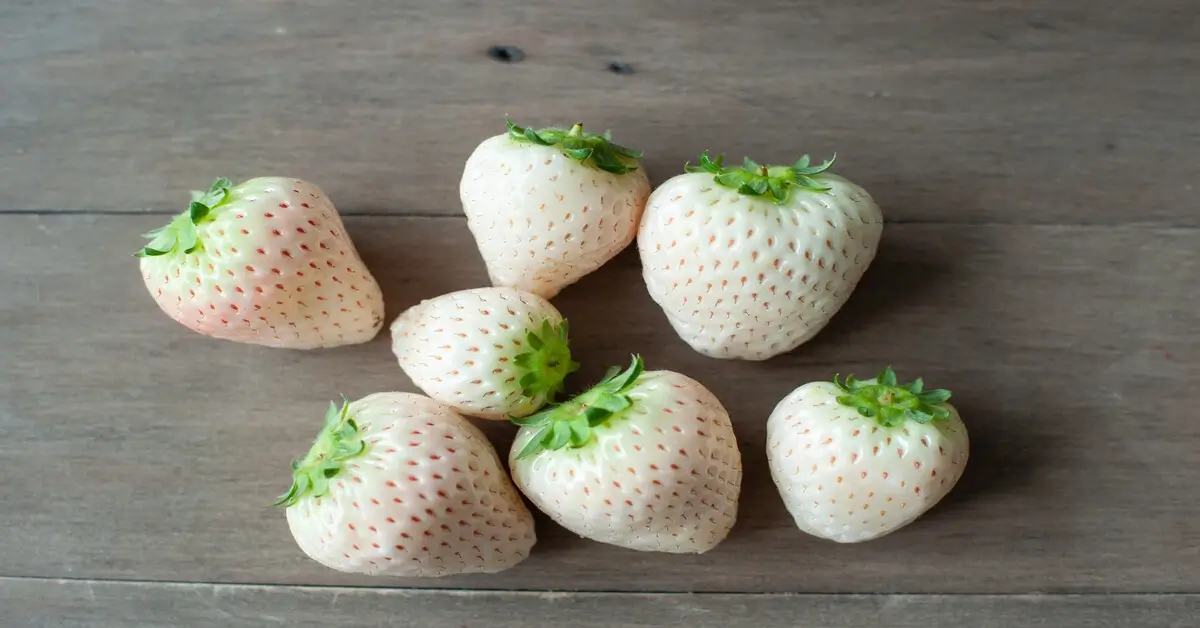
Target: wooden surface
[(101, 604), (1036, 162)]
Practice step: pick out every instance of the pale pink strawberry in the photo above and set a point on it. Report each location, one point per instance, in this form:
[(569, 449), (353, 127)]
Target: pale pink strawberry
[(548, 207), (400, 485), (644, 460), (265, 262), (857, 460), (751, 262), (486, 352)]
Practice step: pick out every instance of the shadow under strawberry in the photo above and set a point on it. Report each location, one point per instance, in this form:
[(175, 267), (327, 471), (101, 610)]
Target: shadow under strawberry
[(1005, 457), (908, 270)]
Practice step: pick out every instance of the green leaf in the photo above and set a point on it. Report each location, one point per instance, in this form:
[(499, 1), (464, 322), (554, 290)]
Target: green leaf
[(778, 190), (918, 416), (534, 444), (893, 404), (540, 418), (337, 442), (332, 416), (811, 184), (221, 185), (523, 360), (562, 435), (612, 403), (756, 186), (595, 150), (625, 380), (580, 154), (596, 416), (612, 372), (754, 179), (934, 396), (581, 432), (197, 211), (188, 241), (149, 252), (735, 180), (534, 137), (891, 415)]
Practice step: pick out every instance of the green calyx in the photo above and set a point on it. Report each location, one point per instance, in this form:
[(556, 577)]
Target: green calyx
[(179, 235), (892, 404), (571, 423), (337, 443), (547, 362), (598, 151), (774, 183)]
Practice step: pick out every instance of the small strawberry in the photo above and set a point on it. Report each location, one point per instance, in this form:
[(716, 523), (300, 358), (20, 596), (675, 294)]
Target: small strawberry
[(548, 207), (265, 262), (398, 484), (486, 352), (856, 460), (752, 262), (644, 460)]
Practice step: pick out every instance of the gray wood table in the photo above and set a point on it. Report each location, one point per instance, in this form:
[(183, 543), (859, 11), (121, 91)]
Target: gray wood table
[(1038, 163)]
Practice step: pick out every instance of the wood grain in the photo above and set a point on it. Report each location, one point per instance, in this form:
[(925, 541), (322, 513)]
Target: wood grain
[(135, 449), (97, 604), (998, 111)]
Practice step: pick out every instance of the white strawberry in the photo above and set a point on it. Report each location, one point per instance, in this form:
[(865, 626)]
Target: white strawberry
[(752, 262), (644, 460), (400, 485), (486, 352), (856, 460), (548, 207), (265, 262)]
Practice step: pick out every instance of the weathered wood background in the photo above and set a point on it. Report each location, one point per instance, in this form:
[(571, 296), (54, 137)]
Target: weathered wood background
[(1037, 162)]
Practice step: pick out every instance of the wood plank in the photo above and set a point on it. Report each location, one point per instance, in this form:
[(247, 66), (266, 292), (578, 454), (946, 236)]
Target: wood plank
[(135, 449), (99, 604), (1006, 111)]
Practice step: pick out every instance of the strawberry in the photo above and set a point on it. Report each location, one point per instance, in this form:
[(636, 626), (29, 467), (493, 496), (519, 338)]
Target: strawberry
[(751, 262), (265, 262), (644, 460), (856, 460), (398, 484), (548, 207), (487, 352)]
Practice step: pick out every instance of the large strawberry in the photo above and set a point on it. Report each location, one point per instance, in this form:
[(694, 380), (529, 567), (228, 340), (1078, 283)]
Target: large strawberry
[(644, 460), (751, 262), (265, 262), (856, 460), (548, 207), (488, 352), (400, 485)]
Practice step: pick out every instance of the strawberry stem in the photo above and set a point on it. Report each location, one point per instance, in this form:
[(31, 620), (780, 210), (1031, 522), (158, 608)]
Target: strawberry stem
[(597, 151), (180, 235), (774, 183), (338, 442), (572, 423), (547, 362), (892, 404)]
